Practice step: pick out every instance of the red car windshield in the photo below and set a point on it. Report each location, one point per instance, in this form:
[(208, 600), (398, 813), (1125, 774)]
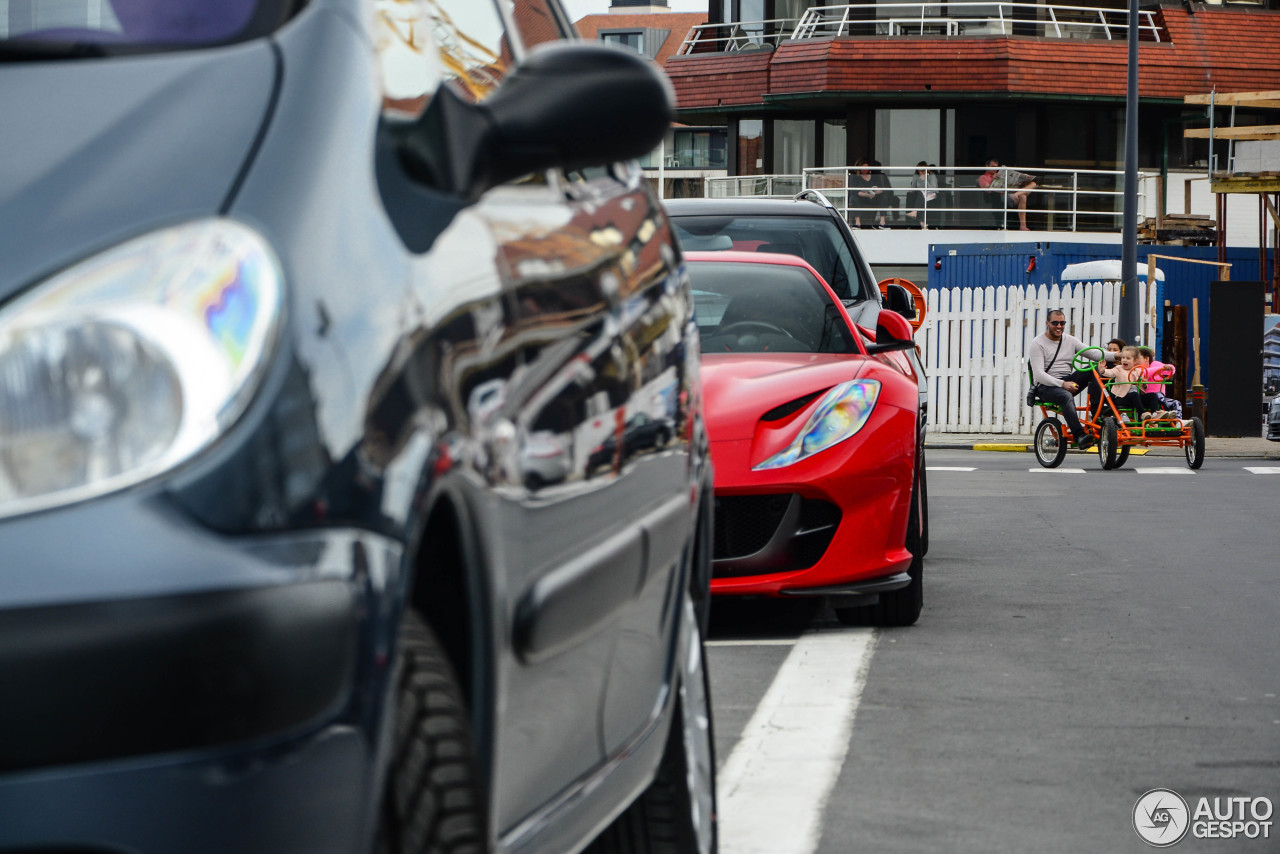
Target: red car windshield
[(95, 27), (759, 308)]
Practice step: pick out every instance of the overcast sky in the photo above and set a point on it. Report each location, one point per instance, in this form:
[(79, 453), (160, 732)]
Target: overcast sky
[(580, 8)]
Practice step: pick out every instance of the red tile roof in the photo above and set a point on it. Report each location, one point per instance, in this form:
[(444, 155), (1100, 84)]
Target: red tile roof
[(1230, 49)]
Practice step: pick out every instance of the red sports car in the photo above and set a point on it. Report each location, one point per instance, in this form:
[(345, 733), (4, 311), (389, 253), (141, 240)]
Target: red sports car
[(816, 438)]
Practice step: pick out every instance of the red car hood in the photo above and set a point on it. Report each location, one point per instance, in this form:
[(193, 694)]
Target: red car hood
[(740, 387)]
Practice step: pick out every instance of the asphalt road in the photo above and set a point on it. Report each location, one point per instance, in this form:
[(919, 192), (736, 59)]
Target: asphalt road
[(1086, 637)]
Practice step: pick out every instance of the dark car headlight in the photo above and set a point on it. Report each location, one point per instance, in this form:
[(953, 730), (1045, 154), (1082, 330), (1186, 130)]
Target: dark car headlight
[(132, 361)]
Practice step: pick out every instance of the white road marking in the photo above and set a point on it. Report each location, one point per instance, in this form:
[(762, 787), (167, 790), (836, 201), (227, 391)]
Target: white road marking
[(775, 785), (758, 642), (1059, 471), (1262, 469), (950, 468), (1165, 470)]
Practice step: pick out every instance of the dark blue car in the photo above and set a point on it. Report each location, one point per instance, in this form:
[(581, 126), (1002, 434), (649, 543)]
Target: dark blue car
[(291, 295)]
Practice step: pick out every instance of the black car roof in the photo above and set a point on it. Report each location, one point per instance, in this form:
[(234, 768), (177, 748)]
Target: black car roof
[(739, 206)]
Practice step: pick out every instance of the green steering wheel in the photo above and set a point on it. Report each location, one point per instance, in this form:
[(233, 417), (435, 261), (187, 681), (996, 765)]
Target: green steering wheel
[(1087, 359)]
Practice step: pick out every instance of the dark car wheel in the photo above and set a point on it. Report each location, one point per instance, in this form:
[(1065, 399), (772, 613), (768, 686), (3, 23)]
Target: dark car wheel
[(901, 607), (677, 813), (432, 803)]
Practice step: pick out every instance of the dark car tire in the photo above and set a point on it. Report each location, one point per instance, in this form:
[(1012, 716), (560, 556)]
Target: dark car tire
[(1050, 443), (1195, 445), (901, 607), (1108, 442), (676, 814), (433, 800)]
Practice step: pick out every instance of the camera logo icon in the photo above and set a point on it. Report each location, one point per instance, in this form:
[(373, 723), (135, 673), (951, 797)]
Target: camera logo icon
[(1161, 818)]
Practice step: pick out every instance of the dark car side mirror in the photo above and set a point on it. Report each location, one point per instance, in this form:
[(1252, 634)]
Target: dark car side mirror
[(899, 300), (892, 333), (568, 105)]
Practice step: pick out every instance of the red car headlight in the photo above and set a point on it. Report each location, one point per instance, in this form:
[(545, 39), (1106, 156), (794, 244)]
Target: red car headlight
[(841, 413)]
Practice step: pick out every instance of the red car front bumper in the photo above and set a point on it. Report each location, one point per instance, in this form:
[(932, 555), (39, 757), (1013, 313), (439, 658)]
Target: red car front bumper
[(834, 522)]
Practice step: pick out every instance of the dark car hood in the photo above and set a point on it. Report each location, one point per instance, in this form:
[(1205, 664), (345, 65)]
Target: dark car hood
[(738, 388), (93, 151)]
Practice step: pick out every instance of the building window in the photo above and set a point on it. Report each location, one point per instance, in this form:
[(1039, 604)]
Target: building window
[(834, 143), (698, 148), (633, 39), (751, 147), (793, 145)]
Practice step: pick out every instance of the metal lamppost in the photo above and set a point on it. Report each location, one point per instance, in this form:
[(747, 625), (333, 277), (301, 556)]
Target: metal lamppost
[(1129, 325)]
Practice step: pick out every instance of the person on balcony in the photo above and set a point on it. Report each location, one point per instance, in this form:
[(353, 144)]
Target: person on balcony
[(867, 195), (924, 190), (1018, 186)]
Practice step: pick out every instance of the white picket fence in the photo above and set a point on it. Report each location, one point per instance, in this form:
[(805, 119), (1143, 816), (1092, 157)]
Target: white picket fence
[(974, 343)]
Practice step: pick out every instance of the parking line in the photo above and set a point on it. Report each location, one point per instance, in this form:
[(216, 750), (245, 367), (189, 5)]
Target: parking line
[(775, 785)]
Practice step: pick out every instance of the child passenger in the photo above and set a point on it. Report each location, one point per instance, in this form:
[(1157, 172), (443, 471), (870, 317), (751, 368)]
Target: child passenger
[(1124, 389), (1158, 371)]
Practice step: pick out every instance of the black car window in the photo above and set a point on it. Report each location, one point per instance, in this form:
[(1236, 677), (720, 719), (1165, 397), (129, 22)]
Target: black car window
[(758, 308), (474, 50), (99, 27), (816, 239), (536, 21)]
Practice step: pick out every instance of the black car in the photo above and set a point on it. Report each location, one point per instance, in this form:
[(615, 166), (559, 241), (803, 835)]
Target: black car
[(807, 226), (296, 301), (640, 432)]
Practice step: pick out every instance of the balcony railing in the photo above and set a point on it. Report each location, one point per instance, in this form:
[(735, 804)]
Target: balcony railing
[(686, 158), (747, 35), (933, 19), (1090, 200)]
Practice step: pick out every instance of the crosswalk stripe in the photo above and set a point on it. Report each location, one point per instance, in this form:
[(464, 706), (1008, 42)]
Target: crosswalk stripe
[(951, 468), (1262, 469), (1058, 471)]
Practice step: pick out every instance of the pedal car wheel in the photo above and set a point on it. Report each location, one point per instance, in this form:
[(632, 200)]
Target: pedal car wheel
[(1050, 443), (1122, 456), (433, 799), (1194, 444), (1108, 443)]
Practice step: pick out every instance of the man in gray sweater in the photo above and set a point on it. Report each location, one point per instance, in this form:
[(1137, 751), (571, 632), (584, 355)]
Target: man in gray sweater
[(1057, 382)]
